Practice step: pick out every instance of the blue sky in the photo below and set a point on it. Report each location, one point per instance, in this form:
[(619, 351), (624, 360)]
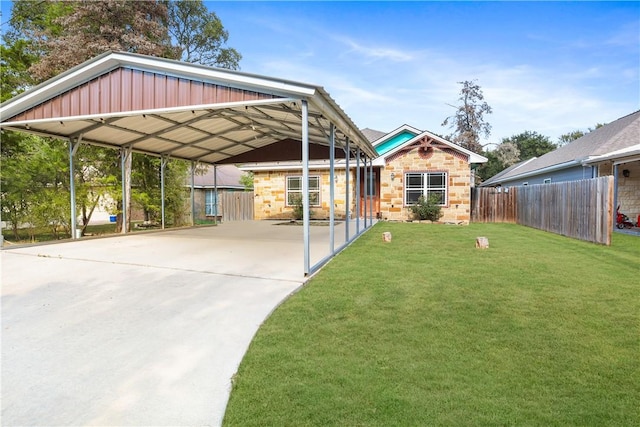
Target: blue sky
[(550, 67)]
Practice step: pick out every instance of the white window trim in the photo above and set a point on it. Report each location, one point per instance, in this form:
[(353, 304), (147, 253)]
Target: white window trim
[(547, 181), (287, 191), (425, 186)]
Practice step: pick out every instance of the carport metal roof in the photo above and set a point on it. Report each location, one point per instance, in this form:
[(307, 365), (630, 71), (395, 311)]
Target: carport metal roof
[(185, 111), (180, 110)]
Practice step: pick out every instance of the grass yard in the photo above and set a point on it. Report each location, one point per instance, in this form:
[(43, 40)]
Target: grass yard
[(537, 330)]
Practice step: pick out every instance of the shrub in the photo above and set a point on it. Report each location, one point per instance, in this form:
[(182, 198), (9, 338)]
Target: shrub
[(298, 209), (427, 208)]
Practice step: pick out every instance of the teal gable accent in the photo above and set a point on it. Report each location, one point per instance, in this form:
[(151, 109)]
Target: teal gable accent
[(397, 140)]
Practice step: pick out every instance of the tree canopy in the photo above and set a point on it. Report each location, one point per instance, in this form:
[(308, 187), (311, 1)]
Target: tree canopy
[(58, 35), (468, 122), (515, 149), (200, 36)]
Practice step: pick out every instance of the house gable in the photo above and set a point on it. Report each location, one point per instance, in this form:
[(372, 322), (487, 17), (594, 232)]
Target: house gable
[(127, 89), (394, 142), (428, 142)]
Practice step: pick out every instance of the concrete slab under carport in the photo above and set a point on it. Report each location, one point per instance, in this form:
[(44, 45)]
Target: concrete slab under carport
[(142, 329)]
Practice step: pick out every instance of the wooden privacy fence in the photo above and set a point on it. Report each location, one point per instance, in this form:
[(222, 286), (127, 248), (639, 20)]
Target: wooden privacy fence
[(580, 209), (493, 204), (236, 205)]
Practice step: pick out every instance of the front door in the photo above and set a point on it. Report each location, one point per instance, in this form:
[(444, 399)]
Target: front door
[(372, 191)]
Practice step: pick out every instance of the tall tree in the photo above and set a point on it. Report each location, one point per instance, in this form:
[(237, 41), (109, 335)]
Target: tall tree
[(508, 153), (468, 122), (93, 27), (200, 35), (530, 144)]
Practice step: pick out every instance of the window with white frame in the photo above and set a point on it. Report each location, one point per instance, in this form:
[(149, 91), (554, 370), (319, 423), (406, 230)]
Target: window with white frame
[(210, 203), (294, 190), (425, 184)]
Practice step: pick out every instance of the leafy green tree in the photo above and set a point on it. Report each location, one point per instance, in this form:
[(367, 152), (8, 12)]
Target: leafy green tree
[(34, 181), (200, 35), (492, 167), (468, 122), (15, 61), (530, 144), (246, 179), (146, 188)]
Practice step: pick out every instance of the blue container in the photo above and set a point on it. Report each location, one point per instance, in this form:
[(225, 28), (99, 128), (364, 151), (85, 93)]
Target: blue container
[(113, 218)]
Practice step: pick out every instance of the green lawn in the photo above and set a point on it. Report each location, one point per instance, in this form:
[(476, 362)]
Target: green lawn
[(537, 330)]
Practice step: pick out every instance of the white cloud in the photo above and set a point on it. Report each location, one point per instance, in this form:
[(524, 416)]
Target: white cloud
[(383, 86), (376, 53)]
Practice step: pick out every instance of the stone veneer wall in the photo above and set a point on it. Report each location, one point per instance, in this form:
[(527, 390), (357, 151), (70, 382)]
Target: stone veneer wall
[(458, 208), (269, 188), (629, 190)]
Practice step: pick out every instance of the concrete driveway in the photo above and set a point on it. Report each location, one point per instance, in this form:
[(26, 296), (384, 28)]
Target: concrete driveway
[(140, 329)]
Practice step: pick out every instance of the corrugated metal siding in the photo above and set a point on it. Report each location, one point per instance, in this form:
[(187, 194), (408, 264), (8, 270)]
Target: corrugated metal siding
[(125, 89)]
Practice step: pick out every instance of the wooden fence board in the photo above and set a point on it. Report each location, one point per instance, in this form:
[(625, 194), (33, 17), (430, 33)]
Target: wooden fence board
[(580, 209), (236, 205)]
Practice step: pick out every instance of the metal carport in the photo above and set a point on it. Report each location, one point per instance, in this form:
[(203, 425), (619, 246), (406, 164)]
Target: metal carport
[(171, 109)]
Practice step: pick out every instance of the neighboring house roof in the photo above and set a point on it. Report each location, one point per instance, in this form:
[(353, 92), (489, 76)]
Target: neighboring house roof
[(372, 134), (228, 176), (599, 143), (496, 177), (622, 154)]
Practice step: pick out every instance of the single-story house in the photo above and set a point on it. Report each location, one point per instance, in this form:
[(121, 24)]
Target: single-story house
[(208, 187), (410, 163), (611, 150)]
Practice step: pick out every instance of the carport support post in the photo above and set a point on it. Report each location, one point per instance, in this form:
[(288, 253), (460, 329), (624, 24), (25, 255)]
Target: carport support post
[(73, 146), (126, 187), (163, 164), (346, 195), (366, 190), (332, 213), (371, 192), (305, 184), (357, 190), (193, 193), (215, 194)]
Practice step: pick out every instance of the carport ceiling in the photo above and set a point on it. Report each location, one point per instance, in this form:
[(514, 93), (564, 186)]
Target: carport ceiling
[(179, 110)]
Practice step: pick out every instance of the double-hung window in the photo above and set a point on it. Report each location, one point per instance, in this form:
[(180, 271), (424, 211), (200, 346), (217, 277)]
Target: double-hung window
[(425, 184), (294, 190), (210, 203)]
